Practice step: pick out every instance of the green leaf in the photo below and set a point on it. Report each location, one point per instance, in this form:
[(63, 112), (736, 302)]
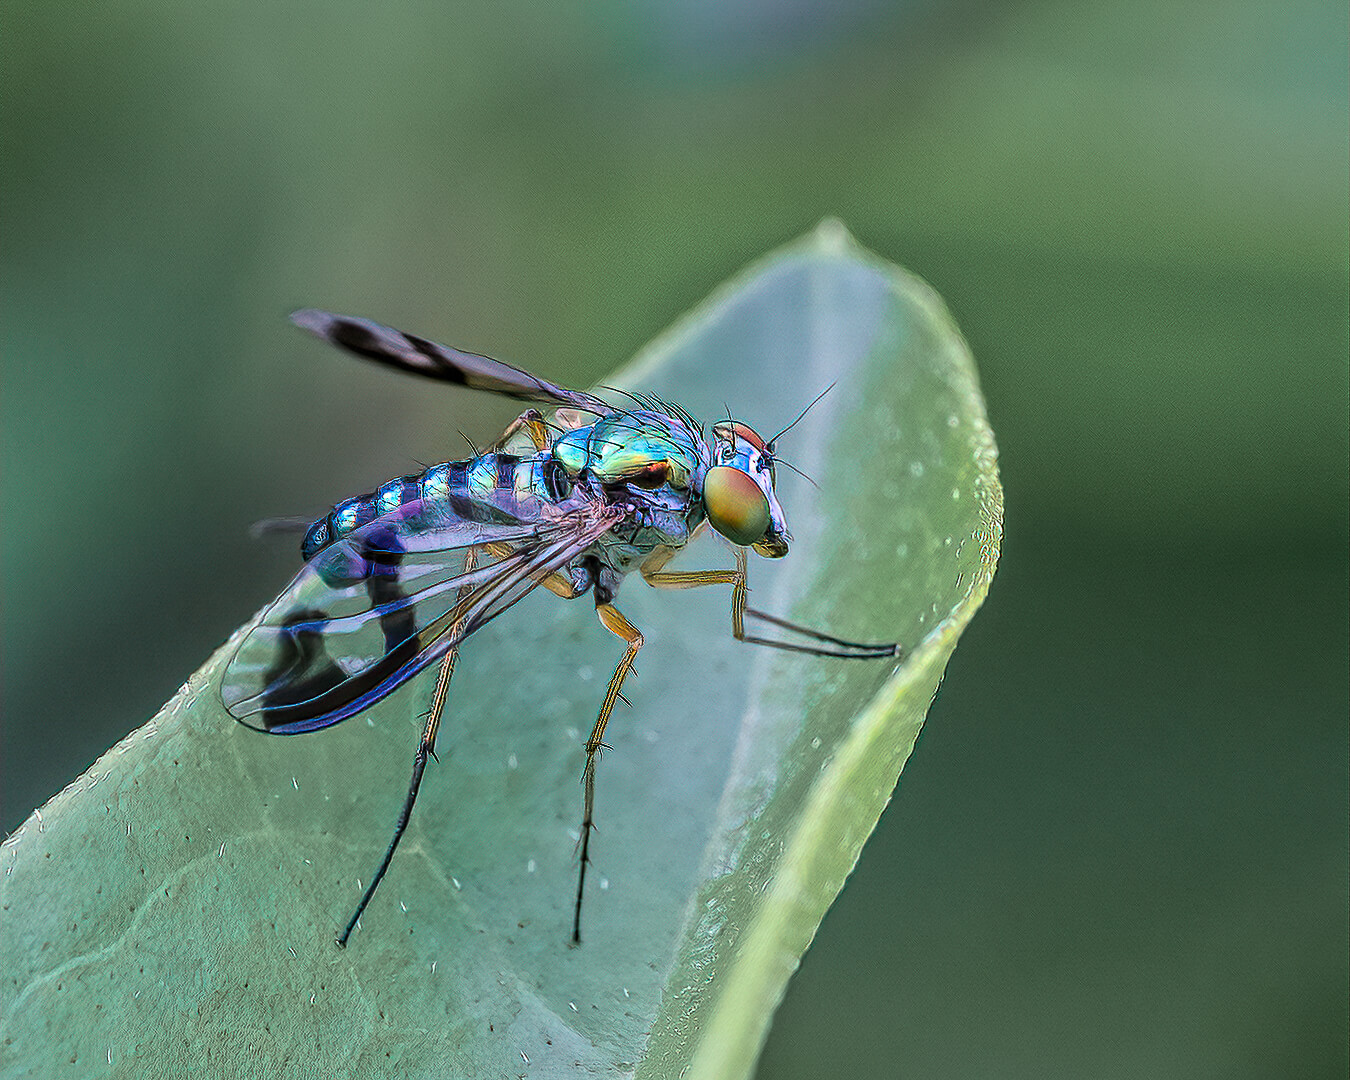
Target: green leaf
[(174, 908)]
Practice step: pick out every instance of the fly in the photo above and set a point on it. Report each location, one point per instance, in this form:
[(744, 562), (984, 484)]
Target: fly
[(396, 580)]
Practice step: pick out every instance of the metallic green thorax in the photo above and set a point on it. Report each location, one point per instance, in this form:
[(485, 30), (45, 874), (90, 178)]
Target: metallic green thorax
[(630, 445)]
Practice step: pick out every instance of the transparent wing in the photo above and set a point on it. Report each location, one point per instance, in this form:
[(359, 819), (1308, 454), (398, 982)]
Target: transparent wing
[(386, 345), (368, 613)]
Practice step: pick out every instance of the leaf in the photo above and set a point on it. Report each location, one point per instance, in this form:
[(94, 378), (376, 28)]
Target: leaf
[(173, 910)]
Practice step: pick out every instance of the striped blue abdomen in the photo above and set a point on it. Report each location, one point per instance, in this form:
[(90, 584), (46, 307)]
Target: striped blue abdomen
[(489, 488)]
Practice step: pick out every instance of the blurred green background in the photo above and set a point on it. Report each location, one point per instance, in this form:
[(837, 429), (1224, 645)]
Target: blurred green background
[(1121, 847)]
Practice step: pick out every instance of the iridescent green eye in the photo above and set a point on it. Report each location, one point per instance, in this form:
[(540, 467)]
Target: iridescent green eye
[(735, 505)]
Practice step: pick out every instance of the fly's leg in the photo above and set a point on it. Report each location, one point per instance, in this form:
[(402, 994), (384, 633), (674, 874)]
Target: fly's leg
[(856, 650), (616, 624), (530, 421), (426, 747), (692, 579), (557, 583)]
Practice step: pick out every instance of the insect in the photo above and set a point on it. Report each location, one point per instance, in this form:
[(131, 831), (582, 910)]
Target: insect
[(396, 580)]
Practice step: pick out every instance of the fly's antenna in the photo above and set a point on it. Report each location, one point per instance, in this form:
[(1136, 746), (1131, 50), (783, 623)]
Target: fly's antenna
[(804, 476), (769, 445)]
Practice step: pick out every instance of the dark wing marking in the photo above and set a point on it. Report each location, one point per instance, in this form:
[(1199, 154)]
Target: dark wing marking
[(386, 345), (367, 614), (340, 611)]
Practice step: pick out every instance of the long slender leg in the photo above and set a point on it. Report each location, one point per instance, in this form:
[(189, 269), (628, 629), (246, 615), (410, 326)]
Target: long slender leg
[(616, 624), (692, 579), (866, 650), (426, 747)]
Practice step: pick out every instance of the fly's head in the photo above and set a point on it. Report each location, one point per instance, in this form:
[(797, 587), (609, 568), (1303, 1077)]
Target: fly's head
[(738, 493)]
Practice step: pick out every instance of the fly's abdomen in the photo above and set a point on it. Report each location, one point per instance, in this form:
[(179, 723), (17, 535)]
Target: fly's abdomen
[(495, 488)]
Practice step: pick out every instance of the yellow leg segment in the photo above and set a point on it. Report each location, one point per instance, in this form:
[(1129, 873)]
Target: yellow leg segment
[(557, 582), (740, 593), (693, 579), (530, 421)]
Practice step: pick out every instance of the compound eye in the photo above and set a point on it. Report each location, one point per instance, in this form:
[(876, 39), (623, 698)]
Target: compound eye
[(735, 505)]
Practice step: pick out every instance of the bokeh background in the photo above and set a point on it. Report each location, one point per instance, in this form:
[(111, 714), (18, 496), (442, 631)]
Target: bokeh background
[(1121, 847)]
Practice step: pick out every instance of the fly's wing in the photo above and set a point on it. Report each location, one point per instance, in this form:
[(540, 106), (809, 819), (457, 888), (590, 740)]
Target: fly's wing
[(369, 612), (421, 357)]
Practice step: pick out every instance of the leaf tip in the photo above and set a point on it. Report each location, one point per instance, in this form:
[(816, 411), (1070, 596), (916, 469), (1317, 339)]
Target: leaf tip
[(832, 237)]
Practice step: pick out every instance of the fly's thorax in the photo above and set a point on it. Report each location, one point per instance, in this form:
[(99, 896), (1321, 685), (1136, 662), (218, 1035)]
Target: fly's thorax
[(738, 493), (642, 448), (644, 460)]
